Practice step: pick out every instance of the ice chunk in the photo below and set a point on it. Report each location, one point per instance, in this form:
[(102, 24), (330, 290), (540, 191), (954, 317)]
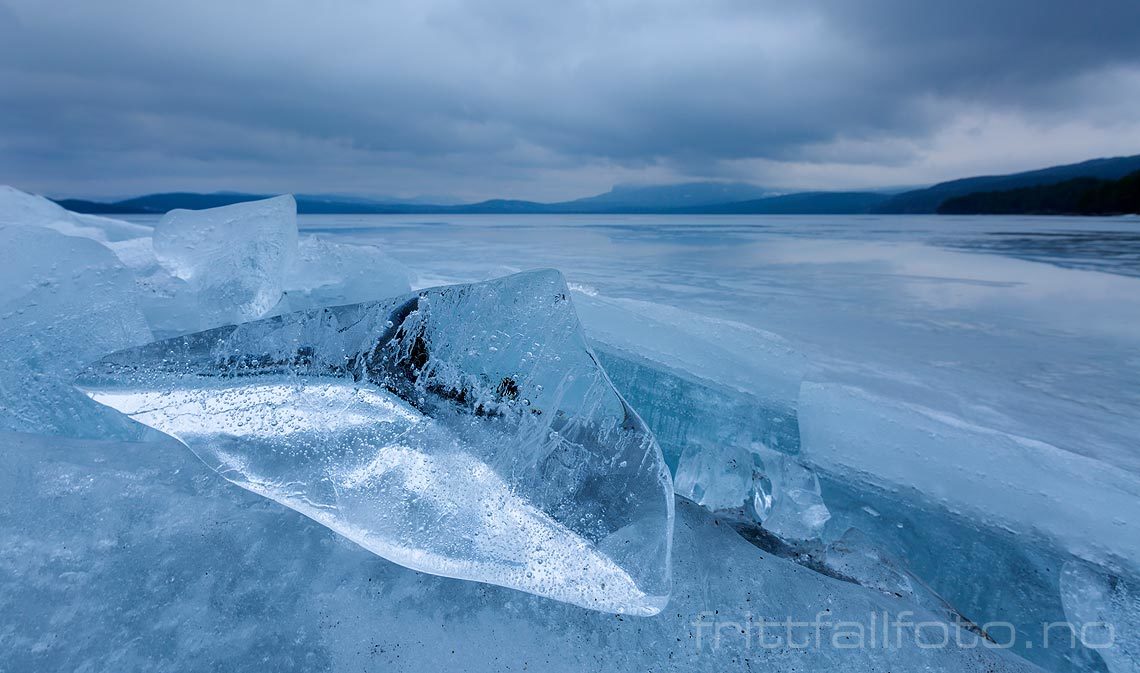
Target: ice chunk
[(719, 480), (762, 485), (23, 209), (1088, 507), (1104, 614), (465, 431), (168, 302), (951, 497), (331, 274), (985, 571), (176, 299), (63, 302), (700, 383), (233, 258), (322, 274), (855, 557), (743, 357), (233, 585), (786, 497)]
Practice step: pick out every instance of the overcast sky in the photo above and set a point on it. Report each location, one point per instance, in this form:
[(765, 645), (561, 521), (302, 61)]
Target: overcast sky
[(552, 100)]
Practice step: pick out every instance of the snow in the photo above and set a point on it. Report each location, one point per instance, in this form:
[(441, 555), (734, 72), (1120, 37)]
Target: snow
[(465, 431)]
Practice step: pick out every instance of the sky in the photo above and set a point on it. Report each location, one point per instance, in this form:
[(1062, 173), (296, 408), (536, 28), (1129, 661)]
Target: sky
[(555, 100)]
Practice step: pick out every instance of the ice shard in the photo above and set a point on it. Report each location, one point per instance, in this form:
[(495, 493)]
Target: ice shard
[(719, 480), (234, 258), (464, 431), (757, 484)]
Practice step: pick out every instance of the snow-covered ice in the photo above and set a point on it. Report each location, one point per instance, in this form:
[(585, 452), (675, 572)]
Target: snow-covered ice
[(465, 431)]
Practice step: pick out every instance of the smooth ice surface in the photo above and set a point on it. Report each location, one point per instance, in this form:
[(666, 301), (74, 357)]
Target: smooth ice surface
[(234, 258), (64, 301), (1028, 325), (121, 556), (465, 431)]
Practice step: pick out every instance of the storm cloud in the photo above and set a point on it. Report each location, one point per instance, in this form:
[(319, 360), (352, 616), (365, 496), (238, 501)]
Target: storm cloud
[(555, 100)]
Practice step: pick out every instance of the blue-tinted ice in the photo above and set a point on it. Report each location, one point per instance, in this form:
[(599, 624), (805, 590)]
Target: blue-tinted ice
[(234, 260), (464, 431), (121, 556)]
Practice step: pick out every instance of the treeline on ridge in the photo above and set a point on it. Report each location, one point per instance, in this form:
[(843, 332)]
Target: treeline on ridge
[(1079, 196)]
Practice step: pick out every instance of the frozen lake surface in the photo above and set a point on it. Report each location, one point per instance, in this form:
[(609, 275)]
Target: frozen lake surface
[(1025, 325), (927, 416)]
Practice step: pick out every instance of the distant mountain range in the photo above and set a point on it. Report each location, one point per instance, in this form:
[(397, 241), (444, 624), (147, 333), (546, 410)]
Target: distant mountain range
[(927, 200), (801, 203), (687, 195), (621, 199), (1078, 196), (688, 198)]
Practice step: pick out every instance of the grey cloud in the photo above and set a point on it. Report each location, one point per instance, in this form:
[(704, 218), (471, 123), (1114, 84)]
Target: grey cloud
[(496, 97)]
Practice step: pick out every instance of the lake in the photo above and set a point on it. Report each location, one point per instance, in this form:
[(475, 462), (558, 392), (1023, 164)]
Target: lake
[(1025, 325)]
